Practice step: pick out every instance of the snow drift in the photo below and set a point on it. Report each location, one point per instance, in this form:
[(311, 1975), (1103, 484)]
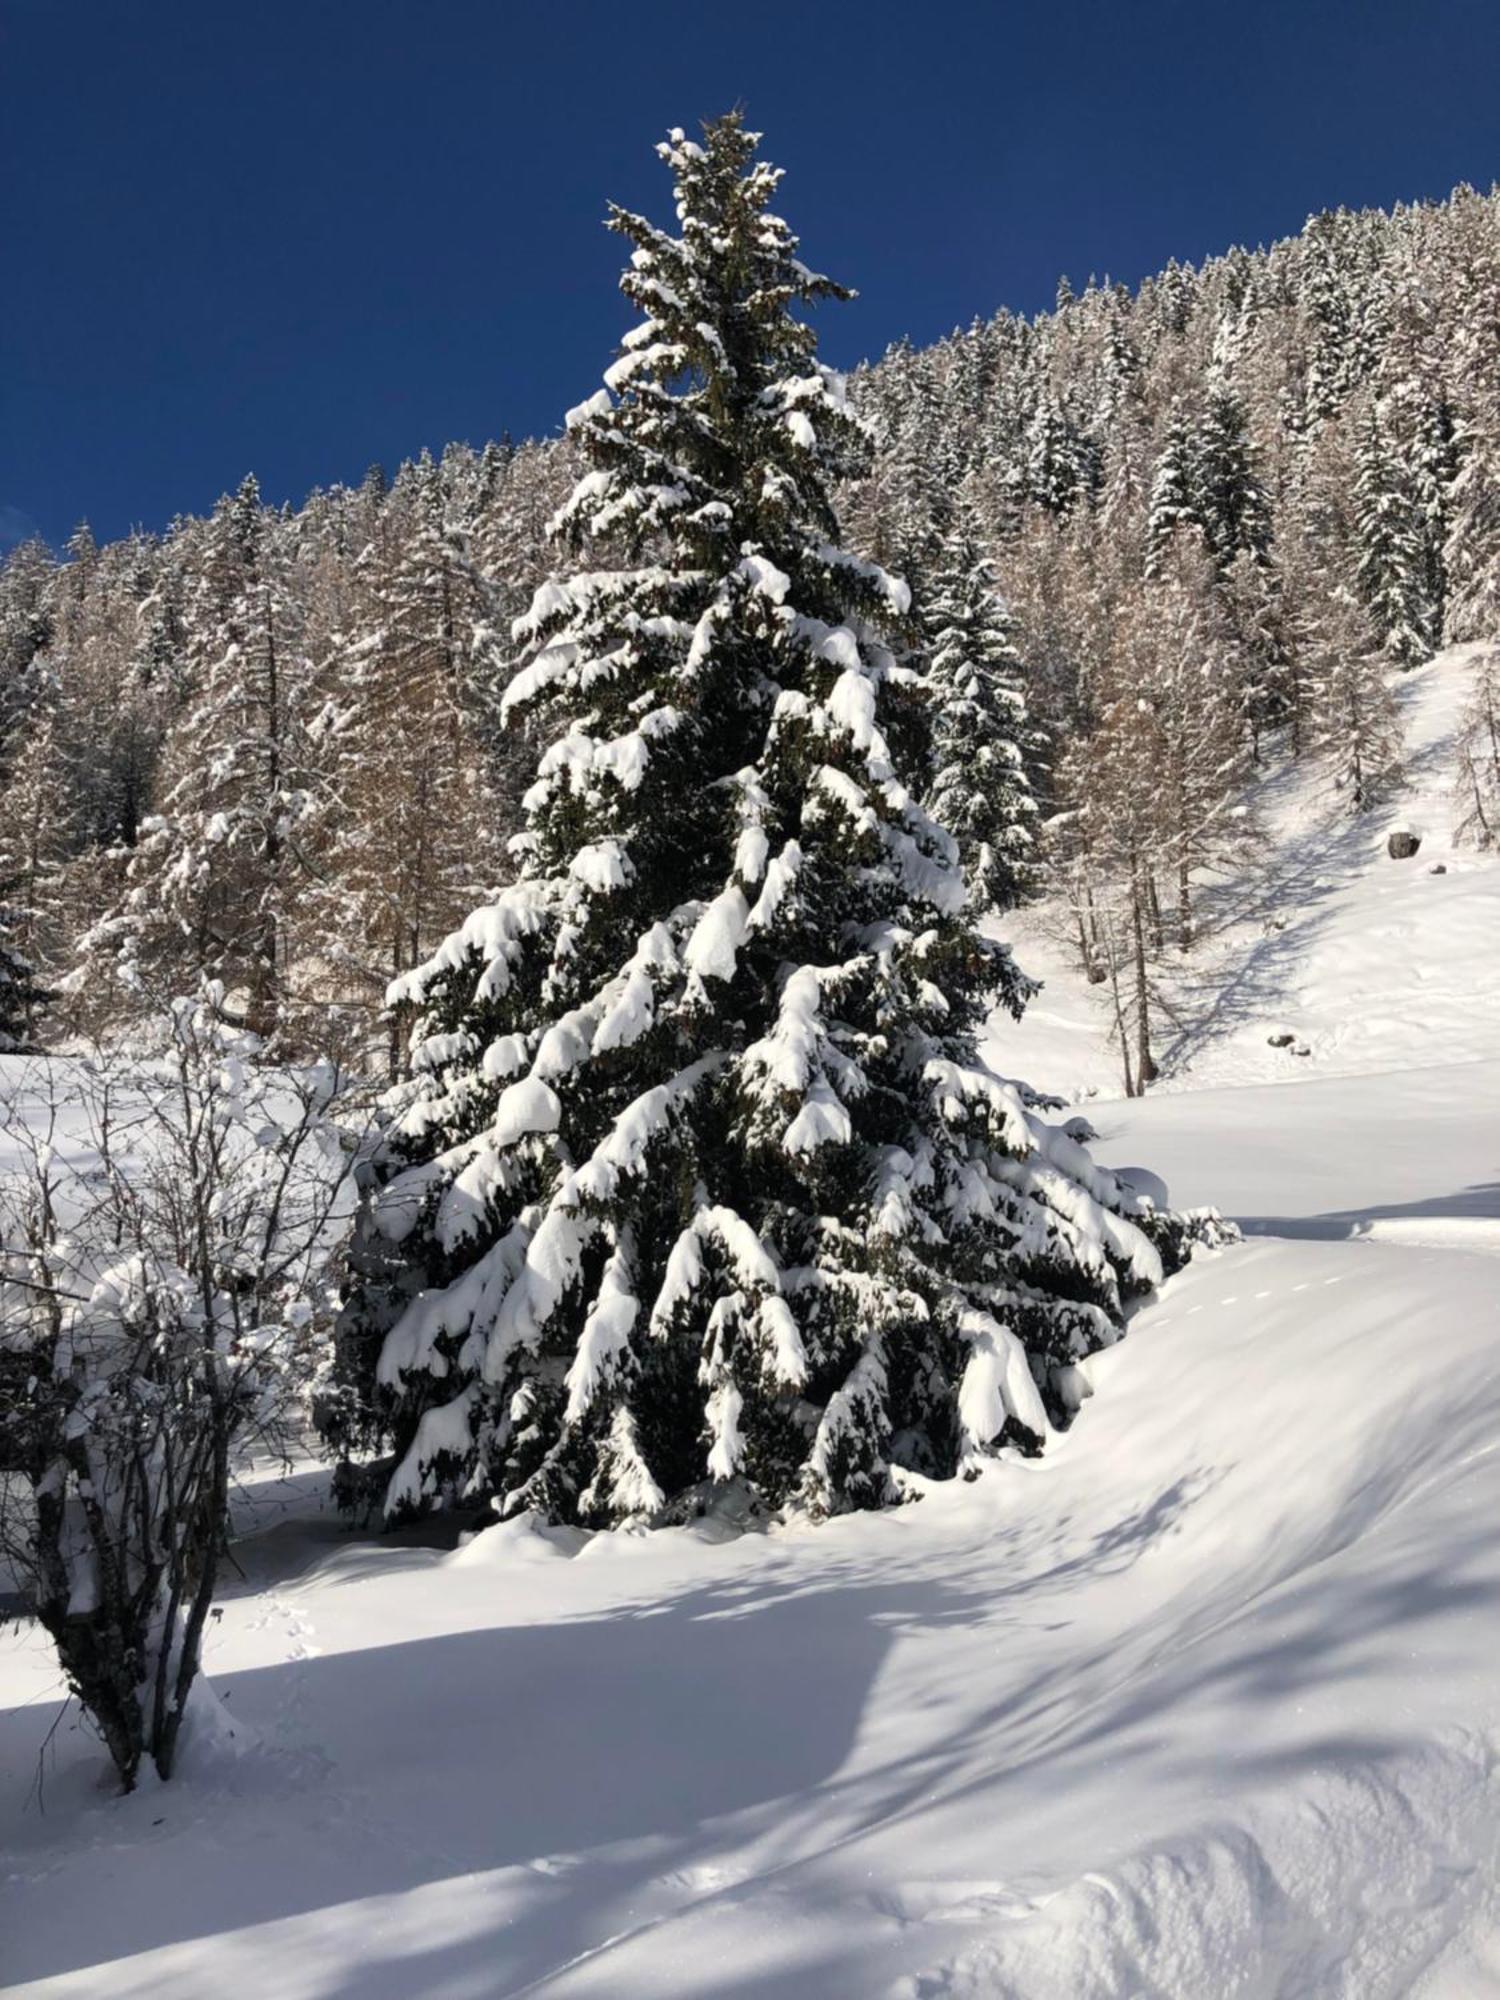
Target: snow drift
[(1203, 1702)]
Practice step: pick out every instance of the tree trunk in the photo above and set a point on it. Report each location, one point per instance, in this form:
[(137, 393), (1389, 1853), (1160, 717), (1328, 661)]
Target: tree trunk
[(1145, 1067), (1120, 1024), (1153, 903)]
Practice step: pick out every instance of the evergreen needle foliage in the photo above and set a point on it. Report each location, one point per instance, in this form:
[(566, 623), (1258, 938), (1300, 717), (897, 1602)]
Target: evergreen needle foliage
[(701, 1183)]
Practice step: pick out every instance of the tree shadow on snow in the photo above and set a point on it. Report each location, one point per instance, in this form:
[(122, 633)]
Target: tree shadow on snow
[(595, 1760), (1478, 1203), (527, 1747), (1216, 994)]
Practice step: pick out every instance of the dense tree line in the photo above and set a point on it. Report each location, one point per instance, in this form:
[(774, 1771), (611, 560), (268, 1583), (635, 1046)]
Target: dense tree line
[(1225, 508), (265, 747), (1169, 525)]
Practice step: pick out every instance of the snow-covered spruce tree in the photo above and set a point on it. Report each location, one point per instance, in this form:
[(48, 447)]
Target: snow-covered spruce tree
[(21, 996), (702, 1183), (1390, 559), (1230, 501), (981, 786), (1171, 499)]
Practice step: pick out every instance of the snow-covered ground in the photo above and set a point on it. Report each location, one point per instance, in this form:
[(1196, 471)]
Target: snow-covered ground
[(1206, 1702), (1370, 965)]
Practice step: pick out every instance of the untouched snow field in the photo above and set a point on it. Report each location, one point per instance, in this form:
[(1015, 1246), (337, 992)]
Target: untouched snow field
[(1205, 1703)]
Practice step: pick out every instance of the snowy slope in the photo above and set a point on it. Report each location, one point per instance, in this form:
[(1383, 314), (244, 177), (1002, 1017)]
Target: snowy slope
[(1204, 1703), (1373, 965)]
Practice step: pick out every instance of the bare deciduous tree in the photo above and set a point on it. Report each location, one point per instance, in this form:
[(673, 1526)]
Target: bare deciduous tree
[(168, 1257)]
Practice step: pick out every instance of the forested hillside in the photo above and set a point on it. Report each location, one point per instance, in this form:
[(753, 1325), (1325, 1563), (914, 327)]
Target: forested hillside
[(267, 745), (515, 984)]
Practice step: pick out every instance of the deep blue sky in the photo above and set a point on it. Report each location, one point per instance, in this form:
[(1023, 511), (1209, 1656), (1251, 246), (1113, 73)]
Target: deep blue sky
[(295, 236)]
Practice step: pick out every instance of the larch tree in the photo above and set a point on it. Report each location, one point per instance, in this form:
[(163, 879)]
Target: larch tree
[(1477, 785), (211, 884), (40, 808), (1103, 847), (1472, 552), (1356, 722), (702, 1186), (1187, 673), (406, 836)]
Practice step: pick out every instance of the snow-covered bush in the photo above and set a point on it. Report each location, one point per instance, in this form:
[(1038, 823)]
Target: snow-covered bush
[(169, 1233)]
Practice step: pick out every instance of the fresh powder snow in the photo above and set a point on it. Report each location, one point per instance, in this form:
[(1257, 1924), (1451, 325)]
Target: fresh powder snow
[(1202, 1702)]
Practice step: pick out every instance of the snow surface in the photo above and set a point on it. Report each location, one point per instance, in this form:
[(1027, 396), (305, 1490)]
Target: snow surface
[(1203, 1703), (1373, 965)]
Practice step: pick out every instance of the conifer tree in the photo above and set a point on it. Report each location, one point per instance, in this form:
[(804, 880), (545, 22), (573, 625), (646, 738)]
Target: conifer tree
[(1057, 465), (703, 1183), (1433, 461), (1229, 502), (211, 886), (27, 620), (21, 998), (981, 787), (1473, 546), (1188, 678), (406, 834), (1357, 723), (1171, 501), (39, 813), (1328, 313), (1391, 559)]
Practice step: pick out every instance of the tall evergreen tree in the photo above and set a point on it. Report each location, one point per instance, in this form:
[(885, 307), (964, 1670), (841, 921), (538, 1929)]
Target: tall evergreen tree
[(21, 997), (1057, 461), (981, 787), (1391, 557), (1171, 501), (703, 1182), (1229, 502)]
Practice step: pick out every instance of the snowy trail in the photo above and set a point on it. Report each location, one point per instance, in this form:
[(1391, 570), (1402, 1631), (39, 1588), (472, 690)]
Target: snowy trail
[(1204, 1703)]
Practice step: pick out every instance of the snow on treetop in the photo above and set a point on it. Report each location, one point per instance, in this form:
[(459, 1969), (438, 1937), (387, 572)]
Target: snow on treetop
[(721, 1036), (597, 405)]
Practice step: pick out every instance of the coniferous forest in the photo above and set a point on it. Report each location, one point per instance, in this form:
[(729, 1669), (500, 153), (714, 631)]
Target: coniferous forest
[(580, 1364), (1170, 527)]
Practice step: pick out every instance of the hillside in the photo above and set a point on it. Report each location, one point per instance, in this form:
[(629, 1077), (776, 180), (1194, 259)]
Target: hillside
[(1369, 964), (1201, 1702)]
